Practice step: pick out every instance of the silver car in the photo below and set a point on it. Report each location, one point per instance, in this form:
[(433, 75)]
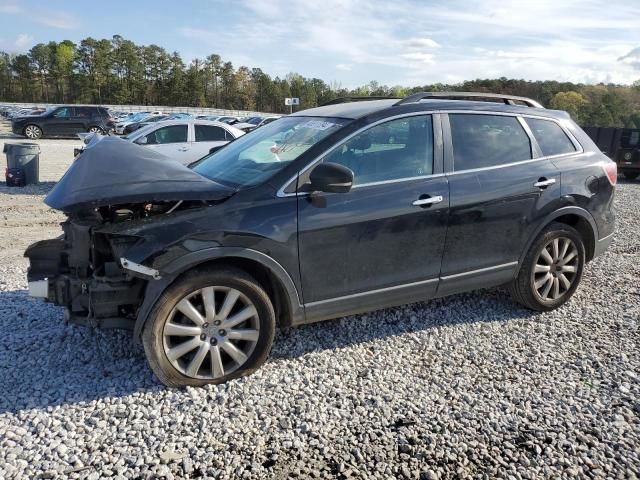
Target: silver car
[(184, 140)]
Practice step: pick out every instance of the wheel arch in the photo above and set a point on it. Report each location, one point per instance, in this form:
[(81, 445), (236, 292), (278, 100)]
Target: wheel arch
[(267, 272), (576, 217)]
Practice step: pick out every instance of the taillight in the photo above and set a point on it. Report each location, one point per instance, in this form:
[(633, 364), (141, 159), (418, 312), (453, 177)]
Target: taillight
[(611, 169)]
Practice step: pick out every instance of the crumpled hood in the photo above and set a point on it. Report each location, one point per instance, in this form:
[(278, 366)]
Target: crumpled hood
[(112, 171)]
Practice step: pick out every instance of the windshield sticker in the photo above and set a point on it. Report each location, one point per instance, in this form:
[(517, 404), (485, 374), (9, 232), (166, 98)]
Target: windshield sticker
[(318, 125)]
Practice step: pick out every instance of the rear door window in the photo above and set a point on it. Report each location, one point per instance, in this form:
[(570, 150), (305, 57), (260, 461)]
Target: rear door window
[(481, 140), (83, 112), (209, 133), (170, 134), (550, 137)]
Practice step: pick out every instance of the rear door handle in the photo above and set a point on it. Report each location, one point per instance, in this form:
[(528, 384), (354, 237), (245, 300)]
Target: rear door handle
[(544, 183), (183, 149), (427, 201)]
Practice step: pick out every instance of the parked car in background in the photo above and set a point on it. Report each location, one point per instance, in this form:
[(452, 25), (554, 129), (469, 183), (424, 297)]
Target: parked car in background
[(184, 140), (180, 116), (621, 145), (251, 123), (628, 155), (135, 118), (220, 118), (328, 212), (23, 112), (65, 120), (132, 127)]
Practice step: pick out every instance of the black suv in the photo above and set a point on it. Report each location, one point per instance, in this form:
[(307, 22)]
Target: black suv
[(332, 211), (63, 121)]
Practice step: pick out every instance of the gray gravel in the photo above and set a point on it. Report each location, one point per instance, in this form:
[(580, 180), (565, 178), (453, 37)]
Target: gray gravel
[(467, 386)]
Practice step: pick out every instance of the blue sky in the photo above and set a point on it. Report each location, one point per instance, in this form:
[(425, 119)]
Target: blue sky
[(351, 42)]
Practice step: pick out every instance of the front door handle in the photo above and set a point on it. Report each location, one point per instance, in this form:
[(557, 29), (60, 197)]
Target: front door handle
[(544, 183), (183, 149), (421, 202)]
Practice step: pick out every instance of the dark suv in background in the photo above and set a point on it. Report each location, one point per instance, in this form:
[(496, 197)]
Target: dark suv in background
[(63, 121), (332, 211)]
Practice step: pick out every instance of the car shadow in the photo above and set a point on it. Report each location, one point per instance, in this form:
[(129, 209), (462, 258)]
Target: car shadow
[(41, 188), (490, 305), (45, 363), (11, 136)]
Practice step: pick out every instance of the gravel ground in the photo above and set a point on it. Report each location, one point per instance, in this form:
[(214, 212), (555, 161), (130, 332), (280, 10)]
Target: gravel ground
[(467, 386)]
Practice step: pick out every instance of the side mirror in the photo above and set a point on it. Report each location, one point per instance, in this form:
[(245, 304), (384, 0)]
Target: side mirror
[(330, 178), (215, 149), (142, 141)]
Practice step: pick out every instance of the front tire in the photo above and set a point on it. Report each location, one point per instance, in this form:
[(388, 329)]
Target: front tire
[(630, 175), (96, 130), (210, 326), (32, 132), (551, 270)]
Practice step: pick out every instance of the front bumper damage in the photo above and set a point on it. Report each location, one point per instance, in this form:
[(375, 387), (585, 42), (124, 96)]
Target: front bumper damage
[(116, 195), (79, 272)]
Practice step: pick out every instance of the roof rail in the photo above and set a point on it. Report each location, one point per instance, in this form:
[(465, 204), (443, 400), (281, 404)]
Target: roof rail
[(508, 99), (336, 101)]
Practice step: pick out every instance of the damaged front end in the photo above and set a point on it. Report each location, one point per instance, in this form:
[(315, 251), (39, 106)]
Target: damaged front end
[(112, 184), (86, 270), (80, 272)]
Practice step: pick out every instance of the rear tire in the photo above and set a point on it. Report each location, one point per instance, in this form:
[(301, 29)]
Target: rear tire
[(193, 336), (96, 130), (630, 175), (551, 270), (32, 132)]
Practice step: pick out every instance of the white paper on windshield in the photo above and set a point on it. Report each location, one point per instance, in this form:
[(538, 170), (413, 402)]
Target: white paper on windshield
[(318, 125)]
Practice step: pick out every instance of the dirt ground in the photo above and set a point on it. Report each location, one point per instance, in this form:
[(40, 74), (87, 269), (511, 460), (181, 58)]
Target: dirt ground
[(24, 218)]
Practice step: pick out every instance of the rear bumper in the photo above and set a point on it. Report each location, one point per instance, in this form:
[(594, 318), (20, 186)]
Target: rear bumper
[(602, 244)]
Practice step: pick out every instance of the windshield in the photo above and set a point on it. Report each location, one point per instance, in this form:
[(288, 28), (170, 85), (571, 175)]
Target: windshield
[(254, 158)]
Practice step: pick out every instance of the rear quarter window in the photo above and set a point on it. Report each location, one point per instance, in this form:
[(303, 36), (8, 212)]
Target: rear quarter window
[(550, 137)]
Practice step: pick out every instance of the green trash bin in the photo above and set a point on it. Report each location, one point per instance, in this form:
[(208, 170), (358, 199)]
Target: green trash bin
[(25, 156)]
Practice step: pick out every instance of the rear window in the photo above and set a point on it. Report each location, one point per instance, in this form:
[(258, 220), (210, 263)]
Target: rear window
[(487, 140), (550, 137)]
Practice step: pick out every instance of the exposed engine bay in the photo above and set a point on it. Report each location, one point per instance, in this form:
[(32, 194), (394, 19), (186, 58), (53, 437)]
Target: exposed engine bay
[(83, 269)]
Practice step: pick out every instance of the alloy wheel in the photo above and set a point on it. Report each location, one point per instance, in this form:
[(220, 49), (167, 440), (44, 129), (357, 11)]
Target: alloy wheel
[(211, 332), (556, 269), (95, 130), (32, 132)]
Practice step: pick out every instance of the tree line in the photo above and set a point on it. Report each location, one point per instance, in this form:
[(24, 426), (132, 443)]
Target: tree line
[(119, 72)]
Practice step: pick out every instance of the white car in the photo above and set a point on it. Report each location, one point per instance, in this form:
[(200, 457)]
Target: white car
[(184, 140)]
